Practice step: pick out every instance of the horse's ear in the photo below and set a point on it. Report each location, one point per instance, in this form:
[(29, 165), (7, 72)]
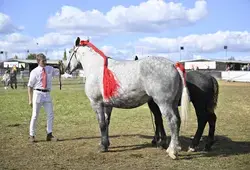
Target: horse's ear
[(77, 41)]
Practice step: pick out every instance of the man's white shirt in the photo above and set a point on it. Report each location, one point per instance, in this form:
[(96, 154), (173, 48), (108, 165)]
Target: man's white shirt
[(35, 81)]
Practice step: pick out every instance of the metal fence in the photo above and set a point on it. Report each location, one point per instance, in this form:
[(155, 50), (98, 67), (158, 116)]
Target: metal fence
[(23, 78)]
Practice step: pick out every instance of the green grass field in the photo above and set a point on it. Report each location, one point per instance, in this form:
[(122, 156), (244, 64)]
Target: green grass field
[(131, 132)]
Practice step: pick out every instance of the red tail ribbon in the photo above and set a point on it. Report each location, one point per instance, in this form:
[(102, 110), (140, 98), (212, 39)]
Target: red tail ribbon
[(182, 68)]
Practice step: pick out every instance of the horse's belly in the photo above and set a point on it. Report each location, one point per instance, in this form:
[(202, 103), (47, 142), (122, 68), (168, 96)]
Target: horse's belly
[(128, 101)]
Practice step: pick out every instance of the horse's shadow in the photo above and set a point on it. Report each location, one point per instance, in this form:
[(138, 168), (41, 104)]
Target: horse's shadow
[(223, 145)]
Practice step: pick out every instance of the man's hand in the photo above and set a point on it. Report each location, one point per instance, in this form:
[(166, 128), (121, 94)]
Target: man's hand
[(30, 103), (30, 94)]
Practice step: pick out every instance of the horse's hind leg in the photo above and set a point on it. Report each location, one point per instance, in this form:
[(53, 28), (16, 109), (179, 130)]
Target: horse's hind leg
[(170, 111), (210, 141), (160, 139), (202, 118)]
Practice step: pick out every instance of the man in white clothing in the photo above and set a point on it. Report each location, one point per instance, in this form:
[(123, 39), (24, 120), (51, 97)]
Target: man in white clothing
[(39, 87)]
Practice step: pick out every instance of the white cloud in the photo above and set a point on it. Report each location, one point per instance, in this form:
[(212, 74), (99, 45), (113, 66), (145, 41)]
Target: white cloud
[(118, 54), (17, 38), (18, 44), (6, 25), (71, 22), (52, 55), (195, 45), (54, 40), (243, 58), (198, 56), (150, 16), (204, 43)]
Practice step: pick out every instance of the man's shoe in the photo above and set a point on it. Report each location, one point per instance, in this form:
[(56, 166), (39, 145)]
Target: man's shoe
[(32, 139), (50, 137)]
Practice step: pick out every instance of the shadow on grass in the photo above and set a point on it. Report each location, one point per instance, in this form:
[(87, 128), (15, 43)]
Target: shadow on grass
[(98, 137), (223, 146)]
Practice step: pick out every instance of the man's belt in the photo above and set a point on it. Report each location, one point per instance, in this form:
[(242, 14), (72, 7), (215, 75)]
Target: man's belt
[(42, 90)]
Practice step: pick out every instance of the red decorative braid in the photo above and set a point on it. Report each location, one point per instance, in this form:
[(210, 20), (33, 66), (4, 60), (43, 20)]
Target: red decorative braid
[(110, 85)]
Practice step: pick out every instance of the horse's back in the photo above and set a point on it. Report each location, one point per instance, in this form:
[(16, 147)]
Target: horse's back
[(156, 69), (159, 75), (156, 66), (203, 87), (201, 80), (142, 79)]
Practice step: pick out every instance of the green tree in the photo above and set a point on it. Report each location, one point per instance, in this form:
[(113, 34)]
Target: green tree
[(31, 57), (65, 55)]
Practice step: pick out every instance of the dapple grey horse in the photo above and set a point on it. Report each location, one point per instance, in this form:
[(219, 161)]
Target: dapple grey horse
[(150, 80)]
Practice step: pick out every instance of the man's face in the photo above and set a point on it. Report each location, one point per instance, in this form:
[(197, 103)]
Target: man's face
[(43, 62)]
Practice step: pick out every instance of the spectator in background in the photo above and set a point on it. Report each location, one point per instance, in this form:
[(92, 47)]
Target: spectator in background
[(8, 68), (248, 67), (228, 68), (21, 72), (13, 79), (6, 79)]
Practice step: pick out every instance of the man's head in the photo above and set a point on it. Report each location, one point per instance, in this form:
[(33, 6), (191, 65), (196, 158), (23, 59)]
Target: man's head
[(41, 59)]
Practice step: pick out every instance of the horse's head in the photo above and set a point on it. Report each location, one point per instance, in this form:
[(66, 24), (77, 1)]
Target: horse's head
[(73, 61), (85, 52)]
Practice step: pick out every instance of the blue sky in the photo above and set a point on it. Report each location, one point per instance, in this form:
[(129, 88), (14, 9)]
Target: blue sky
[(124, 28)]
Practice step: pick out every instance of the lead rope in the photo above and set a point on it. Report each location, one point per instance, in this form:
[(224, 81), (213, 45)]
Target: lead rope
[(61, 71)]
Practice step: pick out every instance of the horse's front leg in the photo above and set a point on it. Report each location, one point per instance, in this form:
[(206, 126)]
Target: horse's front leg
[(107, 114), (103, 125)]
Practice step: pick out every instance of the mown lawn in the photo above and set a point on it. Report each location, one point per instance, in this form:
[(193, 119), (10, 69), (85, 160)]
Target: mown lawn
[(131, 132)]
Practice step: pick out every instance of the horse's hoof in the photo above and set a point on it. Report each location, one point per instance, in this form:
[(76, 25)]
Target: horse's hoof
[(102, 149), (154, 143), (168, 149), (178, 148), (191, 149), (173, 156)]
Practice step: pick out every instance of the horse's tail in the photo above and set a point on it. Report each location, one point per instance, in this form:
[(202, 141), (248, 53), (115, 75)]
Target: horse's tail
[(185, 94), (214, 101)]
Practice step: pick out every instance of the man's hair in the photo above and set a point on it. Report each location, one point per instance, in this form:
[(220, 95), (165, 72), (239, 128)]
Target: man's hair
[(40, 57)]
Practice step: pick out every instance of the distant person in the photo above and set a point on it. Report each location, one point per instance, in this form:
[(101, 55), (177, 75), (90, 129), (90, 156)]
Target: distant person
[(192, 67), (6, 79), (13, 79), (14, 68), (21, 72), (39, 87), (8, 68)]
